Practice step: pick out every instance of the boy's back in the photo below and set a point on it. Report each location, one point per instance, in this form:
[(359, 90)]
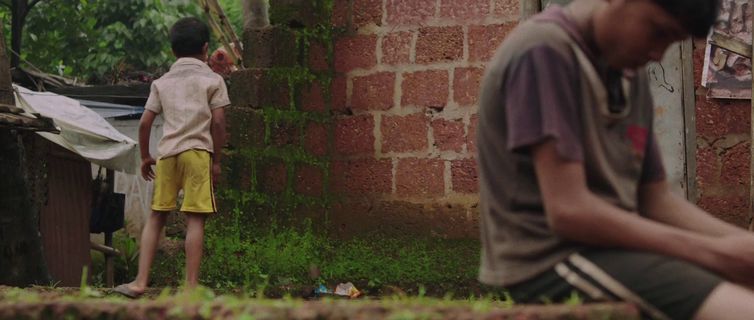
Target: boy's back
[(186, 96), (192, 99)]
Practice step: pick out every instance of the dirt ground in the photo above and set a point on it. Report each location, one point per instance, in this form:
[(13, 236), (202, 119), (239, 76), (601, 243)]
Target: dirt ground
[(87, 303)]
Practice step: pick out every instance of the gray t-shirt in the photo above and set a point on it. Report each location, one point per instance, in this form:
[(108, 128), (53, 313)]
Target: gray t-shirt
[(546, 83)]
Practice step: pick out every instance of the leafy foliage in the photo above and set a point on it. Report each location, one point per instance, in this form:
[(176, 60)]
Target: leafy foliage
[(105, 41)]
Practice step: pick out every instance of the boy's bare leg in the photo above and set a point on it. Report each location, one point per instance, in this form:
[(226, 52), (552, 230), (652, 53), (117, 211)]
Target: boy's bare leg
[(194, 247), (150, 237), (727, 302)]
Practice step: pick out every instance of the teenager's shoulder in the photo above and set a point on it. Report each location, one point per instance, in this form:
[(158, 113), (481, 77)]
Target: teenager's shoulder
[(536, 34)]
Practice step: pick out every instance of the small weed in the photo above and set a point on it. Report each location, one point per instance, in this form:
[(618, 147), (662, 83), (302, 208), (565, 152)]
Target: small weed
[(574, 299), (126, 264), (85, 291), (508, 299)]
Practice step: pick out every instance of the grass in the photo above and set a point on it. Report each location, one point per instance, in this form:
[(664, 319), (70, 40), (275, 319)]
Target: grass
[(253, 260), (285, 257)]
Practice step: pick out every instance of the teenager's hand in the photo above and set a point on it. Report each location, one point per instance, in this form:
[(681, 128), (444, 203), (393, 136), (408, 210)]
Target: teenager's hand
[(216, 170), (146, 168), (734, 258)]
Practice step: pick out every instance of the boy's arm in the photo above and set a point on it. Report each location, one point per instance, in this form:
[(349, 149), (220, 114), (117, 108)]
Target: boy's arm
[(217, 130), (576, 214), (145, 130), (658, 202)]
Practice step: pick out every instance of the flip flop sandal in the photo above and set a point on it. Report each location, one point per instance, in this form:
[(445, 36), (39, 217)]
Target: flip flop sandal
[(124, 290)]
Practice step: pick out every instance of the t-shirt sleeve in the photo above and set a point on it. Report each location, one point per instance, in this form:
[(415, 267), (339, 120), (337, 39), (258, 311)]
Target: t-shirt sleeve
[(153, 102), (219, 95), (541, 102), (652, 169)]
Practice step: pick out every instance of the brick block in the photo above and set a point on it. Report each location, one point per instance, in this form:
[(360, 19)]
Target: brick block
[(313, 98), (709, 118), (506, 9), (410, 12), (318, 57), (464, 176), (256, 89), (707, 167), (735, 175), (373, 92), (420, 177), (339, 91), (309, 180), (296, 13), (340, 13), (471, 134), (484, 40), (237, 173), (425, 89), (355, 52), (366, 12), (402, 219), (439, 44), (720, 117), (464, 10), (269, 47), (354, 135), (396, 48), (466, 84), (359, 177), (284, 133), (315, 139), (449, 134), (245, 127), (732, 209), (273, 176), (404, 133)]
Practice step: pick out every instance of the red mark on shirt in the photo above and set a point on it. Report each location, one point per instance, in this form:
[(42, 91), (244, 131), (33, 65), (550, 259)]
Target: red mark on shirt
[(638, 136)]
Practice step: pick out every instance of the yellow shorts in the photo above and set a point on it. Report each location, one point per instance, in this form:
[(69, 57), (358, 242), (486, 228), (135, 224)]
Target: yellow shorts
[(191, 171)]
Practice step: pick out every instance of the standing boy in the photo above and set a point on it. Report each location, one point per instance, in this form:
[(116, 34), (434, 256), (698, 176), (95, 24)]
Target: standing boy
[(191, 99), (573, 191)]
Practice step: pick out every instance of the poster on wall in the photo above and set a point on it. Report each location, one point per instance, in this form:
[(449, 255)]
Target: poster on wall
[(727, 66)]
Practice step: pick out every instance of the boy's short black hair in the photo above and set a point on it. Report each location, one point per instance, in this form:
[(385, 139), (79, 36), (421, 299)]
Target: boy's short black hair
[(697, 16), (188, 36)]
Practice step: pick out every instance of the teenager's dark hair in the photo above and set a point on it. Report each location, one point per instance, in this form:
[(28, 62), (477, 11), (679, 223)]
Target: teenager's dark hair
[(188, 36), (697, 16)]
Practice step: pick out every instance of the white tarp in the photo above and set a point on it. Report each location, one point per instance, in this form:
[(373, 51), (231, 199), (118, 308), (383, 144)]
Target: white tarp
[(82, 130)]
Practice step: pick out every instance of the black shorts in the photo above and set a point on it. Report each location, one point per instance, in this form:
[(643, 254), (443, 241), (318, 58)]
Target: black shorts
[(661, 287)]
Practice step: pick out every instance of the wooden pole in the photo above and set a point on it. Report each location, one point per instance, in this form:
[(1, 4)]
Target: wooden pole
[(220, 26), (529, 8), (751, 146)]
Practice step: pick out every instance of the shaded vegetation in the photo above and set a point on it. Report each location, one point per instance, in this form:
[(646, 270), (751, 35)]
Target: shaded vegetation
[(106, 41), (237, 256)]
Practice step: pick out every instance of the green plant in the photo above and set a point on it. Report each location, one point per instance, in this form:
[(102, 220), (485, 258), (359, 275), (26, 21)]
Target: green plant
[(127, 263), (255, 257), (104, 40), (574, 299), (85, 291)]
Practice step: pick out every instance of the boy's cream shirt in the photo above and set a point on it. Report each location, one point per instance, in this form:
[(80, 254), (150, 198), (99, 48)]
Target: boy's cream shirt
[(186, 96)]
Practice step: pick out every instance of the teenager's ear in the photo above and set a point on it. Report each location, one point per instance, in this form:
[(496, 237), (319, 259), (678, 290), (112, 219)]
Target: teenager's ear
[(205, 48)]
